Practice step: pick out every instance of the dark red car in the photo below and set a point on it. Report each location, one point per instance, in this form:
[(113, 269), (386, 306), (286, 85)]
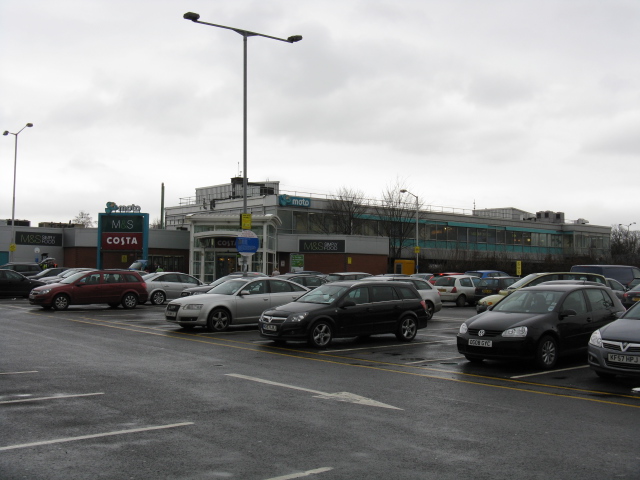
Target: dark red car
[(113, 287)]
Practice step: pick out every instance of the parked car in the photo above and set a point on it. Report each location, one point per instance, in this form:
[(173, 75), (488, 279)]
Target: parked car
[(14, 284), (168, 285), (539, 323), (436, 276), (535, 279), (491, 286), (487, 273), (65, 274), (49, 272), (424, 276), (429, 294), (334, 277), (24, 268), (617, 287), (237, 301), (206, 288), (347, 309), (630, 297), (456, 288), (625, 274), (310, 281), (113, 287), (615, 348)]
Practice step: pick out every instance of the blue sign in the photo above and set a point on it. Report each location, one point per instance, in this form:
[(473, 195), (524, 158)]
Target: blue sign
[(247, 244), (289, 201)]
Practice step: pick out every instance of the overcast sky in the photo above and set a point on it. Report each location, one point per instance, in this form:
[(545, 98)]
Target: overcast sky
[(532, 104)]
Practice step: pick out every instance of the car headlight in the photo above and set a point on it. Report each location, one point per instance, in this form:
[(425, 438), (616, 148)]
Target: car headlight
[(193, 306), (297, 317), (515, 332), (463, 328), (596, 339), (43, 292)]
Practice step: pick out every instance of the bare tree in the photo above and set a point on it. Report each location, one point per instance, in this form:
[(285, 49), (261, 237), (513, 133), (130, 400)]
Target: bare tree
[(343, 214), (396, 214), (624, 245), (83, 218), (156, 223)]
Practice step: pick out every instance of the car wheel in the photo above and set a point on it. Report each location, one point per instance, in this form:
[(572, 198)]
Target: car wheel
[(219, 320), (129, 301), (430, 310), (547, 352), (407, 329), (320, 334), (61, 302), (158, 298), (461, 301), (473, 359)]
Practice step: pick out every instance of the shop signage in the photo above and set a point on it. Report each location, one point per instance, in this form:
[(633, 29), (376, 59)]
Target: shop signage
[(114, 207), (122, 223), (45, 239), (289, 201), (122, 241), (321, 246)]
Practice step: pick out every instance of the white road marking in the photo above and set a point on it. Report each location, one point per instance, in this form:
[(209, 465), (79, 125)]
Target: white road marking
[(340, 396), (18, 373), (302, 474), (546, 372), (50, 398), (98, 435)]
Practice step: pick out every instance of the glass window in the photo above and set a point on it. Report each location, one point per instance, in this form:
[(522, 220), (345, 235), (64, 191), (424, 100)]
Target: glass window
[(501, 237), (491, 236), (407, 293), (466, 282), (359, 295), (383, 294), (598, 299), (278, 286), (575, 301)]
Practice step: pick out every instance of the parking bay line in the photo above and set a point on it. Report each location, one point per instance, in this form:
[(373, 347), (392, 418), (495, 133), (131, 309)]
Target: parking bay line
[(302, 474), (546, 372), (50, 398), (97, 435), (18, 373)]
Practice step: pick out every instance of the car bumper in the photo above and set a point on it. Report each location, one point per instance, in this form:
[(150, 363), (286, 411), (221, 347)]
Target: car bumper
[(500, 347), (186, 317), (620, 364)]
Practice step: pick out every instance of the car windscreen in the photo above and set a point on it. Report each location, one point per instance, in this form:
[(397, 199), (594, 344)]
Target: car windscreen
[(523, 281), (73, 277), (229, 287), (324, 294), (633, 313), (523, 301)]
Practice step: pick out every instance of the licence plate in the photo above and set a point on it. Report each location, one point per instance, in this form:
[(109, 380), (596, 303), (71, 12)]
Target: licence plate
[(486, 291), (170, 314), (272, 328), (635, 299), (442, 290), (630, 359), (479, 343)]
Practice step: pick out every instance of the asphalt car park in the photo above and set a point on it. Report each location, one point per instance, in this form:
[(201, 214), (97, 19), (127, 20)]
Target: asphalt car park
[(94, 392)]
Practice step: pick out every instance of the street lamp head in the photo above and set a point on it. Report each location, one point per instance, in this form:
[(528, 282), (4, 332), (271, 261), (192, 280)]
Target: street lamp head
[(194, 17), (6, 132), (294, 38), (403, 191), (29, 125)]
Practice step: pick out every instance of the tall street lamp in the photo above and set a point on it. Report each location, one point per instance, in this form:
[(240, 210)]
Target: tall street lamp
[(626, 225), (417, 247), (194, 17), (12, 247)]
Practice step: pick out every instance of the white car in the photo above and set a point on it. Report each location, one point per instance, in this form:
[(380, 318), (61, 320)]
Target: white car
[(429, 294), (456, 288), (235, 302), (168, 285)]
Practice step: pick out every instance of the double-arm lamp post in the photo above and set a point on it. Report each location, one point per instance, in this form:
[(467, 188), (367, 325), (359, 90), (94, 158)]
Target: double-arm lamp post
[(417, 247), (628, 225), (194, 17), (13, 204)]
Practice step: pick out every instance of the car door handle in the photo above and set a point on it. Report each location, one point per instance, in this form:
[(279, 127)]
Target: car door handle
[(589, 319)]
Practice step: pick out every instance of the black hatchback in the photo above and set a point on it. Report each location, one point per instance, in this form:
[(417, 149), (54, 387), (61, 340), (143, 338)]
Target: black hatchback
[(347, 309), (13, 284)]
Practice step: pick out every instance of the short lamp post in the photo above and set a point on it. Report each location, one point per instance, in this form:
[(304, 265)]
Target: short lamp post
[(417, 247), (12, 247), (194, 17)]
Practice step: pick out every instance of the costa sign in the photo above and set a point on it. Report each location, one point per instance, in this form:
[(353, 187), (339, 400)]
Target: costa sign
[(121, 241)]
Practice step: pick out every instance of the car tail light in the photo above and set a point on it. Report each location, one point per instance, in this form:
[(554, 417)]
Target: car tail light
[(454, 290)]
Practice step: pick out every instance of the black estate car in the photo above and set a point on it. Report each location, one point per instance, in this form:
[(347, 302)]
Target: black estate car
[(539, 323), (347, 309)]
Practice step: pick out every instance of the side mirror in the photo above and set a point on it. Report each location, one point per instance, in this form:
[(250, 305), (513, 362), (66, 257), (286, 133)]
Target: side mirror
[(348, 303), (568, 313), (245, 292)]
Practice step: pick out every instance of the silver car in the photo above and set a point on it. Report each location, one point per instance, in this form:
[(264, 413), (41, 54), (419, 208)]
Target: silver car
[(234, 302), (168, 285), (428, 293)]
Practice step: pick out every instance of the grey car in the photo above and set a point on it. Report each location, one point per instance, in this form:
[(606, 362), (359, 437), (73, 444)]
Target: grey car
[(235, 302), (168, 285)]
